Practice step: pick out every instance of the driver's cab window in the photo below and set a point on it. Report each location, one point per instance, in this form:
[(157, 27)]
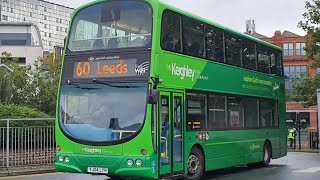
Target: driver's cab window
[(77, 105)]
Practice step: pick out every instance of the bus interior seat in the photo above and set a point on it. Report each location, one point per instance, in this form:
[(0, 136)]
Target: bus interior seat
[(195, 49), (98, 44), (177, 45), (168, 42), (113, 43)]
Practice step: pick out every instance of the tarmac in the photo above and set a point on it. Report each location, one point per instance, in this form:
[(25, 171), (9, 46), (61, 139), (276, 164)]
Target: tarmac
[(42, 169)]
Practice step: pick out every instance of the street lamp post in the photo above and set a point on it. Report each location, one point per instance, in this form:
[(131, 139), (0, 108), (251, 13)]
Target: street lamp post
[(6, 67), (318, 108), (298, 120)]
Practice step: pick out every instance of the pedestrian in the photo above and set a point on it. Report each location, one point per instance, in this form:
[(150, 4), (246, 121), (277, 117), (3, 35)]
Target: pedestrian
[(291, 136)]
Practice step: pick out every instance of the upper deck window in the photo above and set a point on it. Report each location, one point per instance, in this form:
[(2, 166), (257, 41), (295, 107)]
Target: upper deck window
[(112, 25)]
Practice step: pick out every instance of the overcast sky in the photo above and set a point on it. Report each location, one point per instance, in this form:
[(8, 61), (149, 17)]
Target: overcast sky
[(269, 15)]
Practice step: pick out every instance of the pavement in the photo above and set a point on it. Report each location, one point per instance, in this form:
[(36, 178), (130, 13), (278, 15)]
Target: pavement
[(17, 171), (295, 166)]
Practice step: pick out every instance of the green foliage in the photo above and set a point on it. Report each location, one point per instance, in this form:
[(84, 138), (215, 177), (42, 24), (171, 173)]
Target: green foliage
[(19, 112), (40, 89), (35, 87), (305, 90), (6, 78)]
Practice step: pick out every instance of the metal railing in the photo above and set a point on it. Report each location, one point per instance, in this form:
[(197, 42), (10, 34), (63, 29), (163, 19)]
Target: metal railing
[(25, 142)]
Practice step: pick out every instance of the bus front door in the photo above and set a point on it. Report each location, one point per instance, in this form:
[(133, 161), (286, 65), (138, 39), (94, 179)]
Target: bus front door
[(171, 133)]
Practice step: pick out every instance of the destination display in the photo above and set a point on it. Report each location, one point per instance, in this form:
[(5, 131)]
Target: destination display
[(117, 66), (106, 68)]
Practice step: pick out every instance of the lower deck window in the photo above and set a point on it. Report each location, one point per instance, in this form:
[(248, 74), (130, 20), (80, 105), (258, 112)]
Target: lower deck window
[(211, 111)]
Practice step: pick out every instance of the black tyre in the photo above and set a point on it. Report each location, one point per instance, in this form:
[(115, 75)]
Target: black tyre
[(266, 157), (195, 165)]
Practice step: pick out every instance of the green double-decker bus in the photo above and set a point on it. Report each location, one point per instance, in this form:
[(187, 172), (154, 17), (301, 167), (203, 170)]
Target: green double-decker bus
[(149, 91)]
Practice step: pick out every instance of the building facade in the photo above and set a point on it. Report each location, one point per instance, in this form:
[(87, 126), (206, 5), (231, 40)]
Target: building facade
[(296, 66), (22, 40), (52, 19)]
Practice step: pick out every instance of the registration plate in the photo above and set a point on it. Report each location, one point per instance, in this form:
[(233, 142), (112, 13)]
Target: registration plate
[(98, 170)]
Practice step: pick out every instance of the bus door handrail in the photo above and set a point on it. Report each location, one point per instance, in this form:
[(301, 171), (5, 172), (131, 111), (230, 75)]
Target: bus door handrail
[(166, 141)]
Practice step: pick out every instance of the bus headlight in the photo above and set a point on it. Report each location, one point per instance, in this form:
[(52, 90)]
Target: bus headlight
[(60, 158), (130, 162), (67, 159), (138, 162)]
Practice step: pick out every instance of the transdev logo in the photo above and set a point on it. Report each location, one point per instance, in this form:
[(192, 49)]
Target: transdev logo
[(182, 71)]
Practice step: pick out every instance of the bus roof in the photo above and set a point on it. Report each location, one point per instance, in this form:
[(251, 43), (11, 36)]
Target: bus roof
[(219, 25)]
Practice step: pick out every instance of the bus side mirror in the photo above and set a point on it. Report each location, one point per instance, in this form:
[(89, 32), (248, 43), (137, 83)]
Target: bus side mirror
[(153, 96), (65, 41)]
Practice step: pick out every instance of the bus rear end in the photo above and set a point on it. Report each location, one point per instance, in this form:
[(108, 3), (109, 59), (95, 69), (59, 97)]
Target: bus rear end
[(103, 116)]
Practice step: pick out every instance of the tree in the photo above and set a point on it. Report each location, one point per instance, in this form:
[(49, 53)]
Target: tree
[(31, 86), (6, 79), (305, 90), (40, 88)]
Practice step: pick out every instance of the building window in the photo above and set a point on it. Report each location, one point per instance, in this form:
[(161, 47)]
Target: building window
[(300, 49), (288, 49), (4, 17), (30, 14), (45, 17), (45, 9), (11, 10), (293, 74)]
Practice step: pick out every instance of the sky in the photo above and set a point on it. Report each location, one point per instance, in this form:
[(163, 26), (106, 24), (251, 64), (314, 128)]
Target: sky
[(269, 15)]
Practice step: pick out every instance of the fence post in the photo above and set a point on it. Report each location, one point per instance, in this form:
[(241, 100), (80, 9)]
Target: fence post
[(8, 144)]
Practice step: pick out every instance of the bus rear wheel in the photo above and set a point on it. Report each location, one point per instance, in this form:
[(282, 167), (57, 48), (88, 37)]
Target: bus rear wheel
[(266, 157), (195, 165)]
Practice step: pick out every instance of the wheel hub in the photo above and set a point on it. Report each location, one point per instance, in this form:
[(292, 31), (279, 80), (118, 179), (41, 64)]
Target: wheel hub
[(193, 164)]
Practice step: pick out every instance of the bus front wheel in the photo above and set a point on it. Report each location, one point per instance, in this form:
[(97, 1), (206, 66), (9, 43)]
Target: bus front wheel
[(195, 165)]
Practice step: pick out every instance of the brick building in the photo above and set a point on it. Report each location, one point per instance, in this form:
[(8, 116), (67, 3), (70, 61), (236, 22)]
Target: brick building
[(296, 66)]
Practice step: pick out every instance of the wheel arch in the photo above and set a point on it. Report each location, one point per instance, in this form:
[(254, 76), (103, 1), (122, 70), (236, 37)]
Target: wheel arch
[(199, 146)]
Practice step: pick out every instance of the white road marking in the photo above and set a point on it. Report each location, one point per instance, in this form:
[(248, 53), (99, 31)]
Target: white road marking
[(309, 170)]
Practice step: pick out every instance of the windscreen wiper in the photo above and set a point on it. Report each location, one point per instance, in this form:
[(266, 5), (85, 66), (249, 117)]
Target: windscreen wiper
[(108, 84), (70, 82)]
